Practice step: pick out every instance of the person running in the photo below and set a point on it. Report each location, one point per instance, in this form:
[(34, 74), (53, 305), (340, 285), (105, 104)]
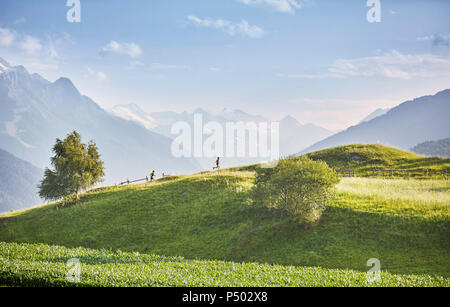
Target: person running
[(217, 163), (152, 175)]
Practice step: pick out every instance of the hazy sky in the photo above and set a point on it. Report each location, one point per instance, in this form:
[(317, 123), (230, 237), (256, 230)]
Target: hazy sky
[(320, 61)]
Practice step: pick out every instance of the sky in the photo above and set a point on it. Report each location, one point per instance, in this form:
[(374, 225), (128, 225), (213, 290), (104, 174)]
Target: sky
[(320, 61)]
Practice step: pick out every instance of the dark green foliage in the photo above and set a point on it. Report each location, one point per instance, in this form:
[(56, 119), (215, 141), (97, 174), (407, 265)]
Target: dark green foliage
[(298, 187), (77, 166), (69, 200), (44, 265)]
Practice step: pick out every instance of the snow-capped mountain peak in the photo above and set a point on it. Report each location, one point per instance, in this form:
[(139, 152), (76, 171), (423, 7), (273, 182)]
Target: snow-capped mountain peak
[(135, 113)]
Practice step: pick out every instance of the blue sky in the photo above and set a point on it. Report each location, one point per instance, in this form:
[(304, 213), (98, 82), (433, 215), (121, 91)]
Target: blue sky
[(320, 61)]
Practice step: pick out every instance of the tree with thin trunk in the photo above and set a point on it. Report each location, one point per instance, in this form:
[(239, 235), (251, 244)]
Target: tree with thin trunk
[(76, 167)]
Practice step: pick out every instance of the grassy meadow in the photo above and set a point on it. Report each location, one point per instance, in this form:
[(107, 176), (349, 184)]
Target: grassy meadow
[(209, 220), (44, 265)]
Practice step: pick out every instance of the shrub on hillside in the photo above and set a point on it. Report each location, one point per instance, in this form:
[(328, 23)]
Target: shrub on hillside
[(297, 187)]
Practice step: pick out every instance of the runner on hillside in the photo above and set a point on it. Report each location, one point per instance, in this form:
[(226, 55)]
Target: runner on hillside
[(152, 175), (217, 163)]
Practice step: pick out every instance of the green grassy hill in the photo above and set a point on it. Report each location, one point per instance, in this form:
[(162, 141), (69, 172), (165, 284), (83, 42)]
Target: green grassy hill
[(366, 158), (209, 216)]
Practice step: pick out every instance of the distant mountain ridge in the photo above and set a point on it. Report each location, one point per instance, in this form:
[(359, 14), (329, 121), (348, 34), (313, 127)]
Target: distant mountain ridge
[(293, 135), (403, 126), (374, 114), (34, 112), (18, 183), (440, 148)]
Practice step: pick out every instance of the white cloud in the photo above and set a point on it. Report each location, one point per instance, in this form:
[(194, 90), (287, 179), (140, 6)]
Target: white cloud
[(38, 53), (284, 6), (436, 39), (131, 49), (30, 44), (394, 65), (243, 28), (7, 37)]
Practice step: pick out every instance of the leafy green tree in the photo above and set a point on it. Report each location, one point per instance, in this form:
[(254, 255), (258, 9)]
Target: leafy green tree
[(77, 167), (297, 187)]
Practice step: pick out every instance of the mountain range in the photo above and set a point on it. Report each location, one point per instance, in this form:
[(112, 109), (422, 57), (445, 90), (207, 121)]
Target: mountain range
[(440, 148), (35, 111), (376, 113), (132, 142), (294, 136), (410, 123), (18, 183)]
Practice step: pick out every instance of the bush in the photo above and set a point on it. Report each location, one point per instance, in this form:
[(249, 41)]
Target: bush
[(297, 187)]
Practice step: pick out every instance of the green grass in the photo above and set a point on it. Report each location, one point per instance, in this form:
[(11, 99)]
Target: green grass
[(366, 158), (210, 216), (44, 265), (417, 198)]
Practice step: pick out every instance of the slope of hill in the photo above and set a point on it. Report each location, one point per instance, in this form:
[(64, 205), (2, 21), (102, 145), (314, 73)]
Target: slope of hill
[(403, 126), (364, 159), (34, 112), (18, 183), (440, 148), (210, 216)]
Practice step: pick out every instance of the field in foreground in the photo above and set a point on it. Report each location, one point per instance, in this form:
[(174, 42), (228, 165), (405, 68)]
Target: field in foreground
[(210, 216), (43, 265)]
